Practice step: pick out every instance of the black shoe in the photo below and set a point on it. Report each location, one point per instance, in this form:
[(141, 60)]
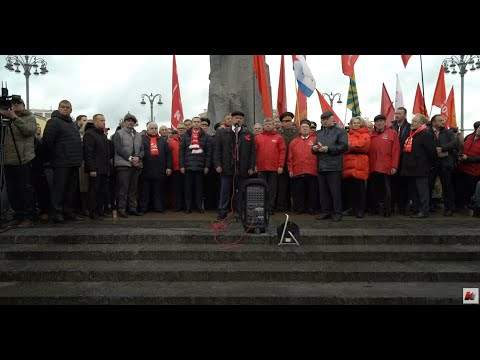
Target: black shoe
[(188, 211), (337, 217), (419, 215), (135, 213), (221, 216), (360, 214), (387, 215), (71, 217), (58, 219), (323, 216), (348, 212), (201, 211), (448, 213), (122, 214), (476, 213), (96, 217), (271, 212)]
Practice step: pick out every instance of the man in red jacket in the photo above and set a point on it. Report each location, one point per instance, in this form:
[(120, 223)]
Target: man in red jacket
[(270, 151), (383, 155), (302, 169)]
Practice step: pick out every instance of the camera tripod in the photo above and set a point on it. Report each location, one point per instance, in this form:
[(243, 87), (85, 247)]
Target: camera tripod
[(5, 128)]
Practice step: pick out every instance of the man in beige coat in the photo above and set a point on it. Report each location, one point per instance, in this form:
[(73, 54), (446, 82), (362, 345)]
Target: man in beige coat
[(19, 153)]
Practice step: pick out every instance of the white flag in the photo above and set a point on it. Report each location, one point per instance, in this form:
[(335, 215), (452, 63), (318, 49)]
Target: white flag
[(398, 96)]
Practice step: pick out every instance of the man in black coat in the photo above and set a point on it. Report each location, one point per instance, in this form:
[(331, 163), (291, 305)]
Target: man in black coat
[(157, 165), (399, 182), (419, 155), (96, 152), (195, 158), (63, 149), (234, 159), (446, 146)]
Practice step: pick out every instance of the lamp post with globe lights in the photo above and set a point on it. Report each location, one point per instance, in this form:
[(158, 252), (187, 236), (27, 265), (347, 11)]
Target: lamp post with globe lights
[(151, 98), (461, 62), (27, 62)]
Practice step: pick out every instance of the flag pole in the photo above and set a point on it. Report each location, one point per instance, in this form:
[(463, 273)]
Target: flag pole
[(423, 87), (253, 84)]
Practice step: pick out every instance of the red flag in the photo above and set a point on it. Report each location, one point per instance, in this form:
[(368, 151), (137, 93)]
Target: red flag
[(301, 105), (261, 71), (348, 62), (405, 59), (387, 106), (177, 110), (282, 91), (419, 103), (440, 95), (451, 120), (326, 107)]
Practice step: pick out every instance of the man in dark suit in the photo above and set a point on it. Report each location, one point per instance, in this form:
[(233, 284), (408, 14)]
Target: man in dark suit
[(419, 155), (234, 160)]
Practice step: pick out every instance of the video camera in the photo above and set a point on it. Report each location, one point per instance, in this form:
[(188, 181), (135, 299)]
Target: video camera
[(6, 101)]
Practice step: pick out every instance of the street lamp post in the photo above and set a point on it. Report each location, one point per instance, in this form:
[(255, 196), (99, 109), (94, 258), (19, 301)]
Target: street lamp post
[(151, 98), (27, 62), (462, 63), (331, 97)]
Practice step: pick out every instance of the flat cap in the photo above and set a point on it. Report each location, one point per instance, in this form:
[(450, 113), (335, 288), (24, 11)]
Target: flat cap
[(380, 117), (326, 115), (130, 116)]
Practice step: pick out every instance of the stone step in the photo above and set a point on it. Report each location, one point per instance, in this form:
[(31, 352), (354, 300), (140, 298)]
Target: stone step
[(245, 252), (233, 293), (184, 270), (201, 235)]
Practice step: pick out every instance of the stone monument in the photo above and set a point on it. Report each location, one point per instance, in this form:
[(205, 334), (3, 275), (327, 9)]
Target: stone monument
[(234, 86)]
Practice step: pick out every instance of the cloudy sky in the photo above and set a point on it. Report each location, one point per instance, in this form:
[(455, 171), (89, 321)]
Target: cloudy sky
[(114, 84)]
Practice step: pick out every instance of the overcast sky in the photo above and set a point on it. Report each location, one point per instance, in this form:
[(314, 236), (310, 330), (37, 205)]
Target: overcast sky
[(114, 84)]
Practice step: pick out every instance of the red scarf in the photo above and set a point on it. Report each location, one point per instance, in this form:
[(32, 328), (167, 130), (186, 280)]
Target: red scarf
[(153, 145), (195, 143), (409, 142)]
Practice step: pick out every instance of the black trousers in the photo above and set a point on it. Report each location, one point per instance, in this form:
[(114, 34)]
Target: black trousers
[(226, 188), (379, 189), (211, 193), (153, 193), (193, 187), (418, 192), (177, 181), (65, 183), (271, 178), (355, 191), (305, 192), (330, 190), (283, 191), (20, 190), (446, 178), (400, 198), (97, 187)]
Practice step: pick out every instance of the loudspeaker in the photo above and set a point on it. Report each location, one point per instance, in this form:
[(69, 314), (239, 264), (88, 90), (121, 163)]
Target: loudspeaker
[(255, 215)]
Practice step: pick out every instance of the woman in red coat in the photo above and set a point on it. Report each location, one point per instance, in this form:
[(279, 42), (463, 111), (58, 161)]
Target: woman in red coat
[(356, 167)]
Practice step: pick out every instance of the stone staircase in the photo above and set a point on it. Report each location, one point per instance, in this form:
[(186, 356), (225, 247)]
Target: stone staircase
[(122, 262)]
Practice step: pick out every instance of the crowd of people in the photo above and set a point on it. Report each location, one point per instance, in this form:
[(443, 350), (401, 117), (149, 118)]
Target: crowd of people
[(75, 171)]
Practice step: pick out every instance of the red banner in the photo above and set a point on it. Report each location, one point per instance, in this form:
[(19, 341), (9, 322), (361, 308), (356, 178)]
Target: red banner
[(177, 110)]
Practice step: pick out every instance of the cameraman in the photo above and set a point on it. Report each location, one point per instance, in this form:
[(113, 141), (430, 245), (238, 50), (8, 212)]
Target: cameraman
[(18, 161)]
